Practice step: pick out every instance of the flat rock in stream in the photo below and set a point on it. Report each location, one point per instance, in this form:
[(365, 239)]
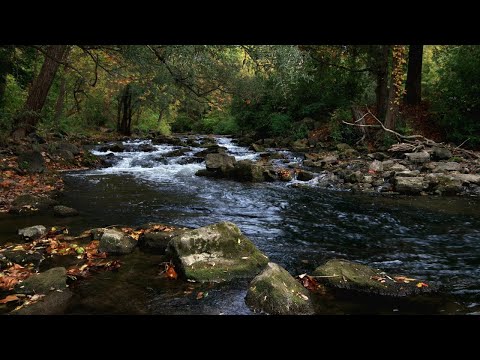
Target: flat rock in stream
[(54, 303), (32, 233), (43, 283), (275, 291), (64, 211), (216, 253), (349, 275), (28, 203), (23, 257), (157, 241)]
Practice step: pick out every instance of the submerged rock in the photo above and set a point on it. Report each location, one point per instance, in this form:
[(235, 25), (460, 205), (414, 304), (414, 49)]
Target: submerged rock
[(43, 283), (32, 233), (217, 252), (31, 203), (64, 211), (116, 242), (23, 257), (345, 274), (275, 291), (157, 241), (54, 303)]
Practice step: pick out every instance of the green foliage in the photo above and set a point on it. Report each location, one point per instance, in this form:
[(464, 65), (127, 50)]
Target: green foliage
[(340, 132), (183, 123), (13, 102), (455, 94), (149, 121)]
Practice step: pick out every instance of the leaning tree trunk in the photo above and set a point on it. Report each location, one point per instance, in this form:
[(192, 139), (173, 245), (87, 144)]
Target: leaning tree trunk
[(395, 90), (413, 86), (39, 91), (381, 90)]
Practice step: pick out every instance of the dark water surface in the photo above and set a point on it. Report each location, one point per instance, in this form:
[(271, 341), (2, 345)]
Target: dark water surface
[(436, 239)]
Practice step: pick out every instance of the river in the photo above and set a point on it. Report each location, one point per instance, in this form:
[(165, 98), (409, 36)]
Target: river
[(436, 239)]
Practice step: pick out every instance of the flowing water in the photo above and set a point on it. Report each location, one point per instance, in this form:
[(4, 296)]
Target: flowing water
[(436, 239)]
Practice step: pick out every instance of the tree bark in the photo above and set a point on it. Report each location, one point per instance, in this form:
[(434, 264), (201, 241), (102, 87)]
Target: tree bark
[(39, 91), (414, 75), (395, 89), (381, 90), (124, 112)]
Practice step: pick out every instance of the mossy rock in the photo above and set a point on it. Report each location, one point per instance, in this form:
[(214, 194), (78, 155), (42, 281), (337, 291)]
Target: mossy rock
[(216, 253), (275, 291), (43, 283), (349, 275)]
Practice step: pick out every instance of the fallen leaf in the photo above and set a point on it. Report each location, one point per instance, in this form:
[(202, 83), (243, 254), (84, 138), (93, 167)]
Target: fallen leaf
[(9, 298), (199, 295), (171, 273), (421, 284)]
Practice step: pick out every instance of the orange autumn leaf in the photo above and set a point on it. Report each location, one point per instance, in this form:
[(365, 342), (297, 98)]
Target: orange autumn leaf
[(9, 298), (422, 284), (171, 273)]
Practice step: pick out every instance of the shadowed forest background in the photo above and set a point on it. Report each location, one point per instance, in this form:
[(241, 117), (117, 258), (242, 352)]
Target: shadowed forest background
[(257, 91)]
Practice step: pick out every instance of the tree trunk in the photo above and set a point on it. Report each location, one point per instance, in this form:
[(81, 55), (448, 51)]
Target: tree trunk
[(124, 112), (381, 90), (395, 89), (6, 54), (39, 91), (414, 75)]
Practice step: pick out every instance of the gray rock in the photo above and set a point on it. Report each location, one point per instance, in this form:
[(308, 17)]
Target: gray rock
[(303, 175), (64, 211), (418, 157), (378, 156), (54, 303), (409, 185), (257, 147), (376, 166), (43, 283), (32, 162), (31, 203), (345, 274), (146, 148), (117, 147), (275, 291), (66, 146), (444, 184), (33, 232), (447, 166), (246, 170), (468, 178), (300, 145), (219, 162), (398, 167), (157, 241), (216, 253), (441, 153), (116, 242)]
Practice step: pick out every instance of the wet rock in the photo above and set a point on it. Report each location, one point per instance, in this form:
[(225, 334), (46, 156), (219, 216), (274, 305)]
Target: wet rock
[(169, 140), (349, 275), (409, 185), (376, 166), (190, 160), (157, 241), (284, 175), (219, 162), (275, 291), (447, 166), (211, 149), (444, 184), (300, 145), (64, 211), (54, 303), (117, 147), (353, 177), (441, 153), (32, 162), (24, 257), (418, 157), (246, 170), (146, 148), (303, 175), (257, 147), (31, 203), (116, 242), (468, 178), (33, 232), (378, 156), (216, 253), (269, 175), (43, 283), (178, 152)]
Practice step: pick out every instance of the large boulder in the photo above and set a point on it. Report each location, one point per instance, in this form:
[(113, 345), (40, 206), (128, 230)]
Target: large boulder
[(349, 275), (219, 162), (468, 178), (303, 175), (116, 242), (116, 147), (31, 161), (64, 211), (216, 253), (246, 170), (275, 291), (43, 283), (409, 185), (444, 184), (33, 232)]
